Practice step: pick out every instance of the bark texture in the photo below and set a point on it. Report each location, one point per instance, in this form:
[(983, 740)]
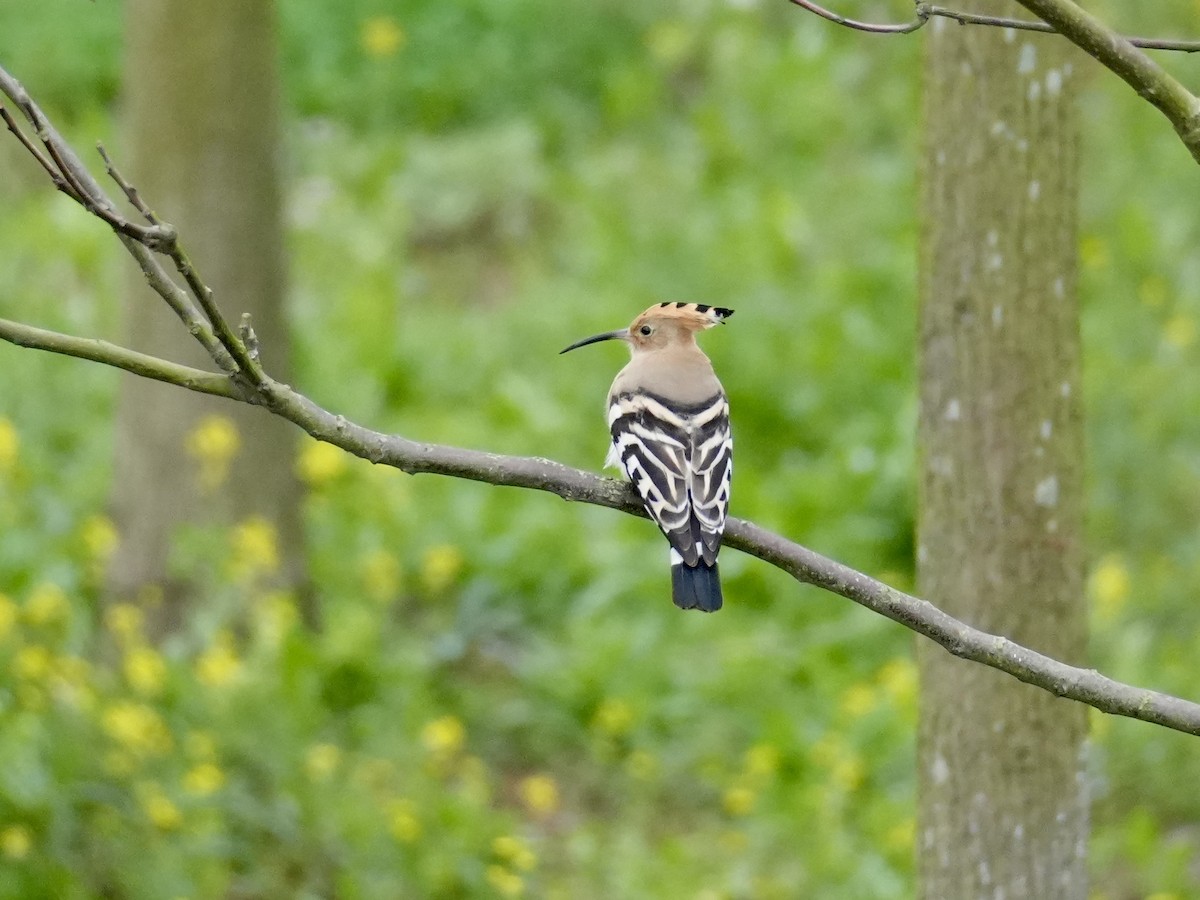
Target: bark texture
[(1003, 804), (202, 128)]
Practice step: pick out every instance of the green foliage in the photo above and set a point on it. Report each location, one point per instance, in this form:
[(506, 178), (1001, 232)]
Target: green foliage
[(502, 699)]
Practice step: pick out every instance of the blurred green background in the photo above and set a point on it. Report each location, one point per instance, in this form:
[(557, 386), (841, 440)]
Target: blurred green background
[(503, 701)]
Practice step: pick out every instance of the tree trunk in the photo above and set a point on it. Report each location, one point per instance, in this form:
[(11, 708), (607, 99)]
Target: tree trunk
[(1003, 805), (202, 99)]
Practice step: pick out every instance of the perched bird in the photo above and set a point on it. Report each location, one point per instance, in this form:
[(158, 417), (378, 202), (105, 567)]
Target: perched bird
[(669, 421)]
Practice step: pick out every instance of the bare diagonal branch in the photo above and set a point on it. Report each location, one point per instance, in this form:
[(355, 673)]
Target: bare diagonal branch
[(927, 11), (1153, 83), (1122, 55), (243, 379)]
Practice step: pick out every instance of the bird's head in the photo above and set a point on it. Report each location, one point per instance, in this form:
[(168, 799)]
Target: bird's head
[(663, 325)]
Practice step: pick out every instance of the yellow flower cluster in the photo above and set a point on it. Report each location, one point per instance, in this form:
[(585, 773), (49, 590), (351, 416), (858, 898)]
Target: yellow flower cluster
[(381, 36), (16, 842), (1109, 586), (512, 856), (46, 605), (444, 737), (100, 538), (322, 760), (10, 446), (760, 763), (403, 822), (539, 795), (214, 443), (614, 717), (219, 664), (254, 549), (440, 568), (320, 463), (157, 806), (136, 728)]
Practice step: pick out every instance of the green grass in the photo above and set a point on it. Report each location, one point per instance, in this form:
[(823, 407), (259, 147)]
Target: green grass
[(498, 664)]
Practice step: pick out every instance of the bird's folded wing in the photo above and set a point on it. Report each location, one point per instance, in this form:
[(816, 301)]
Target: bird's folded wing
[(678, 459)]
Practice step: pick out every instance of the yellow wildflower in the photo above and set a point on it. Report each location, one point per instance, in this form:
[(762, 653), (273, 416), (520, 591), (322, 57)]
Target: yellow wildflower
[(136, 727), (505, 882), (10, 446), (900, 837), (512, 850), (858, 700), (381, 36), (255, 546), (8, 616), (762, 760), (158, 807), (403, 822), (899, 678), (1180, 331), (444, 737), (440, 568), (1110, 585), (321, 760), (1093, 252), (381, 575), (100, 537), (739, 800), (219, 664), (47, 604), (33, 662), (125, 621), (15, 840), (214, 442), (320, 463), (613, 717), (145, 670), (539, 794), (203, 779)]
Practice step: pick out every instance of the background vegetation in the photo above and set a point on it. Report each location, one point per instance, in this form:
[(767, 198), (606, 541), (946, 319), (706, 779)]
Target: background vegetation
[(503, 701)]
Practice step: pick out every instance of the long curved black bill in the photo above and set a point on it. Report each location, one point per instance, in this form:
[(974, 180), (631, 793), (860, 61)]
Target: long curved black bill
[(595, 339)]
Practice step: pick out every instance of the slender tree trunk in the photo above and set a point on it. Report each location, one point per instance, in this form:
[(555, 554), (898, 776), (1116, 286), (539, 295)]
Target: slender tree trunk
[(1003, 804), (201, 94)]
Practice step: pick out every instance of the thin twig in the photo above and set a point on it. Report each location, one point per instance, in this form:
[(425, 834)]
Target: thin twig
[(871, 27), (927, 11), (122, 358), (216, 336), (131, 193)]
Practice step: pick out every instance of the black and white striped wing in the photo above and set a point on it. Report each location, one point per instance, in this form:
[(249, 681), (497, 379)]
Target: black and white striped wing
[(680, 461)]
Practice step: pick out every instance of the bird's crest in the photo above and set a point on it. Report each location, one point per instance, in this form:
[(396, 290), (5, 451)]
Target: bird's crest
[(695, 315)]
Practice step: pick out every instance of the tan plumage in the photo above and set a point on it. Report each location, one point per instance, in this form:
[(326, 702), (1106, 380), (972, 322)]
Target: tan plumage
[(669, 421)]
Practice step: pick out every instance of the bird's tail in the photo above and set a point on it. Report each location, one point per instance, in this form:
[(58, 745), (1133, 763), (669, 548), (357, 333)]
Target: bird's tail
[(696, 587)]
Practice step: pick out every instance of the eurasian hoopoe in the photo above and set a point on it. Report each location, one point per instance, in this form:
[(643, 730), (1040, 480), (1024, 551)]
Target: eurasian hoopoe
[(669, 420)]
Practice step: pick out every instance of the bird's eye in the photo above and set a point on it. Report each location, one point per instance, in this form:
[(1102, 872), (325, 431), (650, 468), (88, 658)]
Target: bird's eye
[(646, 330)]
